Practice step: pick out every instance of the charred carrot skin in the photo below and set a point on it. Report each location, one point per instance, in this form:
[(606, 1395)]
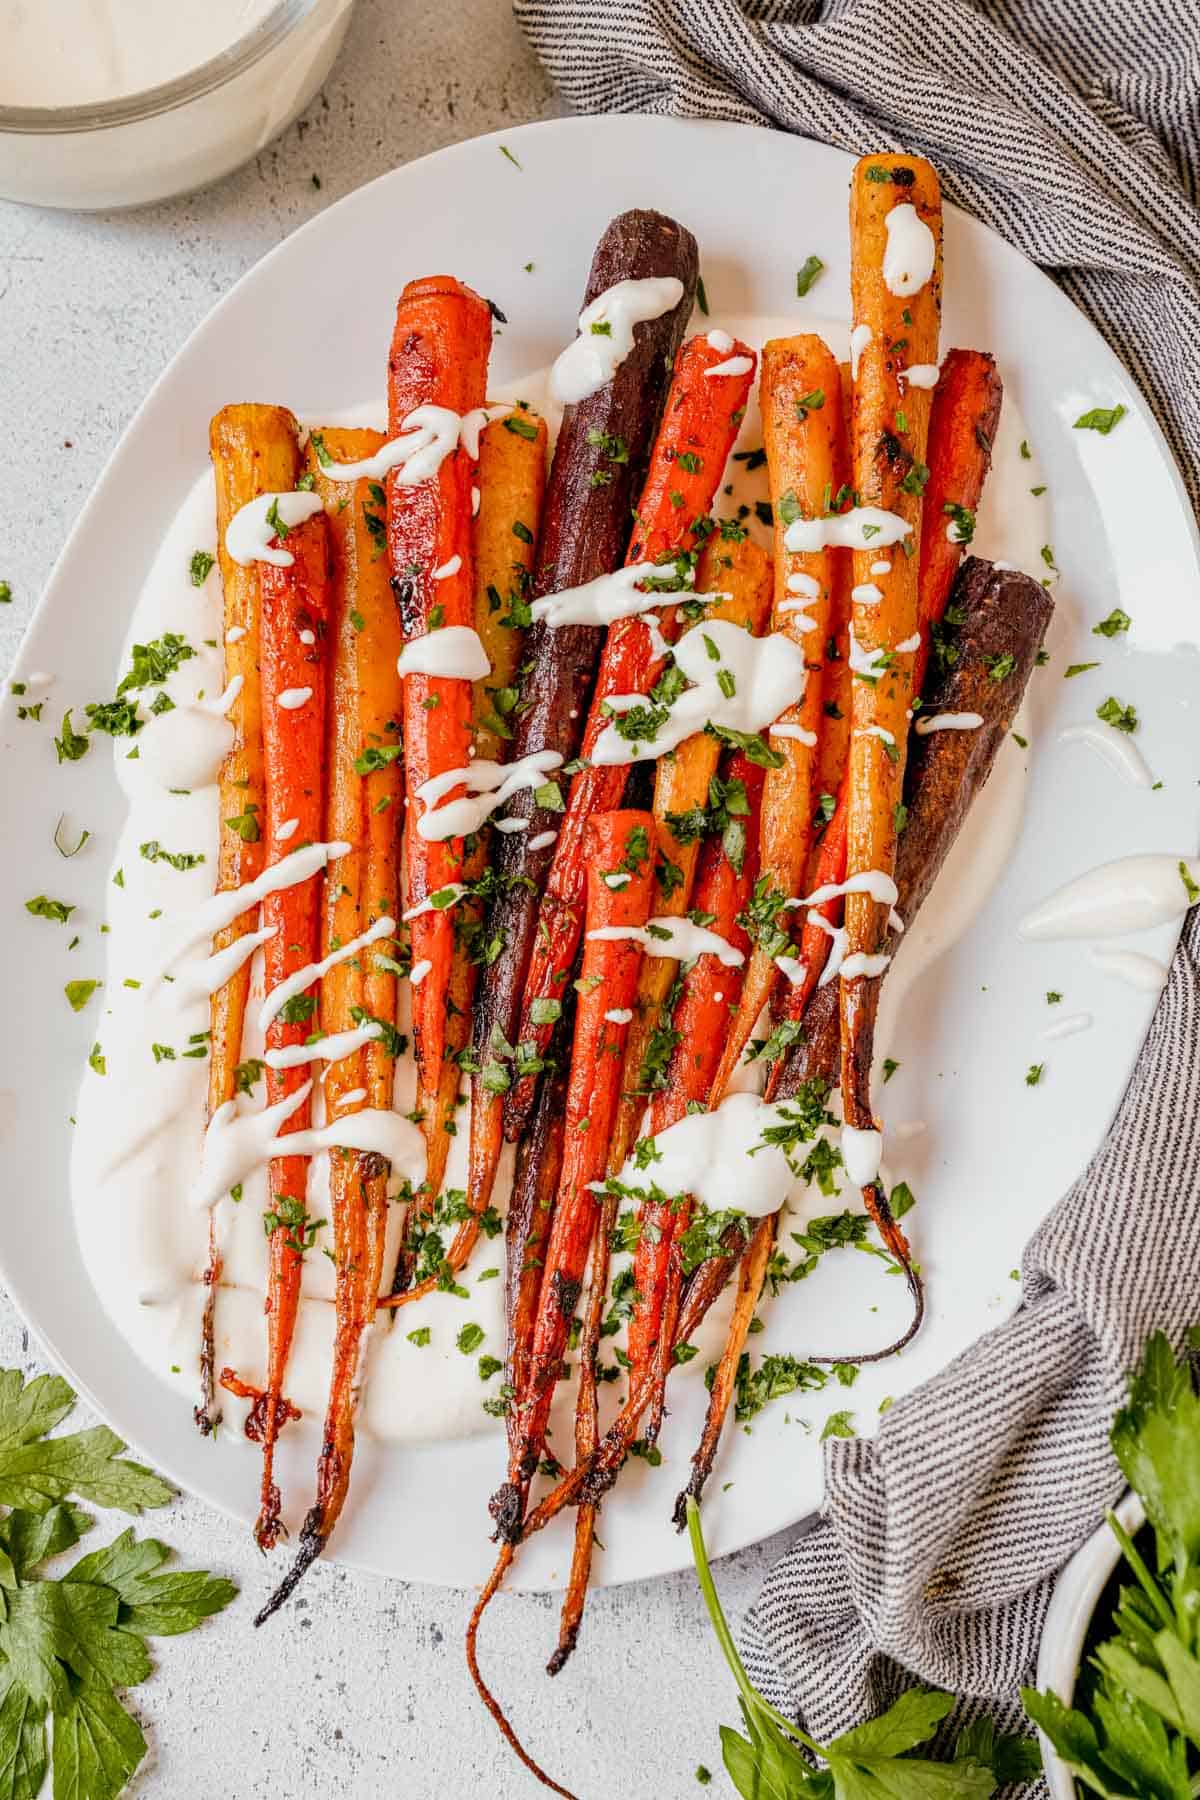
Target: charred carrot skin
[(734, 567), (527, 1227), (438, 357), (620, 843), (363, 810), (804, 439), (709, 998), (295, 608), (699, 425), (600, 461), (254, 450), (889, 438), (962, 429)]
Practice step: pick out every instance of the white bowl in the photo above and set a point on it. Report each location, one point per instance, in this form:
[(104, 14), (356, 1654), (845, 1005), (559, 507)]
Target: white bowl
[(1076, 1593), (182, 134)]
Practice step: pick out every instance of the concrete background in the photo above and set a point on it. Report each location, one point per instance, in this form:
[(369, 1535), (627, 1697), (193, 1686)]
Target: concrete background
[(361, 1690)]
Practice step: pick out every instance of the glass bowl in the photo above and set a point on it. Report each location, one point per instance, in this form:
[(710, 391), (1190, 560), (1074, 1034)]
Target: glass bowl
[(182, 134)]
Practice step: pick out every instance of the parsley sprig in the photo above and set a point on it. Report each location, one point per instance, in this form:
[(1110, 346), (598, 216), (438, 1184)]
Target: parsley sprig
[(69, 1642), (774, 1758)]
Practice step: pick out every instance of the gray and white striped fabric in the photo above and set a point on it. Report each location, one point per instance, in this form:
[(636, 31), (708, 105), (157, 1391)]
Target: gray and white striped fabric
[(1072, 127)]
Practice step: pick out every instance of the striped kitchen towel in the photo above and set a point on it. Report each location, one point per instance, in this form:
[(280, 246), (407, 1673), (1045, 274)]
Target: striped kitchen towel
[(1073, 128)]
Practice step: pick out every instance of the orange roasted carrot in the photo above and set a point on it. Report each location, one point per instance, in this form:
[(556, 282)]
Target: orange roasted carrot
[(804, 439), (699, 425), (255, 450), (438, 359), (362, 886), (895, 277), (619, 846), (733, 566), (294, 659)]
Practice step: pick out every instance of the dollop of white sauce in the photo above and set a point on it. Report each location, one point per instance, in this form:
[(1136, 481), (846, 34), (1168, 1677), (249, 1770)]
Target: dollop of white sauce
[(863, 661), (862, 1152), (1133, 967), (420, 970), (883, 567), (619, 1015), (720, 341), (862, 528), (910, 645), (619, 595), (450, 567), (910, 252), (543, 839), (454, 651), (1134, 893), (292, 699), (767, 675), (720, 1159), (922, 375), (964, 721), (866, 594), (800, 583), (249, 534), (489, 786), (590, 363), (1116, 747), (792, 969), (875, 882), (679, 939)]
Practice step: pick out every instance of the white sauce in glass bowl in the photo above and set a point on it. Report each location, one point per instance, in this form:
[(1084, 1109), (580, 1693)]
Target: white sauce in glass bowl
[(71, 52)]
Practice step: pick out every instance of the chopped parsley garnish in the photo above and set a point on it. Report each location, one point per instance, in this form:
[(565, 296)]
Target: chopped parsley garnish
[(1073, 669), (1117, 621), (806, 275), (200, 567), (1123, 718), (71, 745), (298, 1010), (43, 908), (1101, 419), (1034, 1074), (963, 521), (153, 852), (79, 993)]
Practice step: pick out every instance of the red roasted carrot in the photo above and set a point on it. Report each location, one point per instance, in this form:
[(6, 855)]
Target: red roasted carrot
[(438, 358), (699, 424), (619, 846), (294, 657), (710, 995)]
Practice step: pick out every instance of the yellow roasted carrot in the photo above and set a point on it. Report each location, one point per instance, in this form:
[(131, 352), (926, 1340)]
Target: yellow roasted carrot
[(896, 281), (255, 450), (740, 571)]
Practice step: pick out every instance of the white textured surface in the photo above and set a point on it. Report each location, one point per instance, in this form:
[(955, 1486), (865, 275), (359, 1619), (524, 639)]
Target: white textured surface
[(359, 1689)]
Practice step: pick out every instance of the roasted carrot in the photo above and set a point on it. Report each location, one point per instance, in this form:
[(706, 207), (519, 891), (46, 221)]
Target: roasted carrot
[(255, 450), (600, 460), (731, 565), (438, 358), (699, 425), (895, 278), (363, 810), (528, 1220), (294, 658), (1004, 616), (804, 439), (710, 995), (962, 429), (620, 847)]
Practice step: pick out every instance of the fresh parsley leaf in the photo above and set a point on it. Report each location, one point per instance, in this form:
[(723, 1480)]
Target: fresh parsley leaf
[(805, 276), (1123, 718), (1101, 419)]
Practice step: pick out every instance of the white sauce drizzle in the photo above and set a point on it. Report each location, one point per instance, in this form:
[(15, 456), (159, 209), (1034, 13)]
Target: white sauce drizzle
[(861, 1154), (792, 969), (543, 839), (454, 889), (860, 337), (305, 977), (793, 611), (1116, 747), (223, 908), (719, 1158), (1135, 893), (864, 661), (292, 699), (840, 944), (965, 721), (308, 637), (236, 1143), (619, 1015), (676, 938), (212, 972), (922, 375), (877, 731), (420, 970), (862, 964), (720, 340), (883, 567), (1134, 968), (590, 363), (489, 785), (769, 675), (235, 634), (455, 651), (448, 568), (288, 829), (330, 1049), (249, 534), (1068, 1027), (910, 645), (797, 732), (735, 365), (510, 825), (910, 252), (428, 436), (618, 595), (862, 528), (800, 583)]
